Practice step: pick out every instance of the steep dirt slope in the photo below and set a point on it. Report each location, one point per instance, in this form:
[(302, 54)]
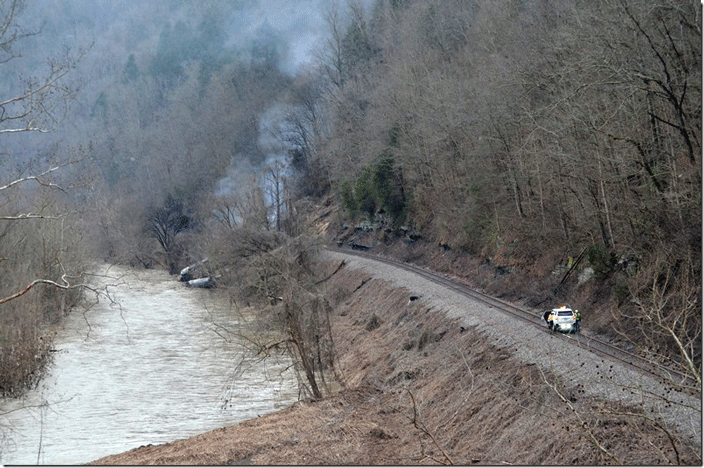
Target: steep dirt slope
[(425, 385)]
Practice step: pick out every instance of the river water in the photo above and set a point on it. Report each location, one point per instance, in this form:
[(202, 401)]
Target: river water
[(162, 363)]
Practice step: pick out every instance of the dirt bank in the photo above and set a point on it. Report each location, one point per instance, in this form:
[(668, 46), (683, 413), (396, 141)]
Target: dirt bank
[(429, 384)]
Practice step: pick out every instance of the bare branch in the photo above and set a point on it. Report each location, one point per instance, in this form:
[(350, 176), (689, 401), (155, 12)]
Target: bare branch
[(64, 285), (34, 283), (28, 216), (40, 99), (24, 129), (37, 178)]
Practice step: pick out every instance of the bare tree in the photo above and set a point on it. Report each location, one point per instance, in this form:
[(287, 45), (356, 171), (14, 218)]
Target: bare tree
[(169, 221), (39, 246), (278, 273), (332, 56), (663, 320), (277, 191), (288, 279)]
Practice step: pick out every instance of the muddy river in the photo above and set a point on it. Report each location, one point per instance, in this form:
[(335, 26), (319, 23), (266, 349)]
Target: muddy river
[(161, 363)]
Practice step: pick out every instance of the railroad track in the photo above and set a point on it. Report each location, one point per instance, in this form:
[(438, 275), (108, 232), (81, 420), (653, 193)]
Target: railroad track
[(679, 380)]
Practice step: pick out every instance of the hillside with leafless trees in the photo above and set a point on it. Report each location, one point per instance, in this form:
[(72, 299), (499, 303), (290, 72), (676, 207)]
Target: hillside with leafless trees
[(560, 141), (556, 143)]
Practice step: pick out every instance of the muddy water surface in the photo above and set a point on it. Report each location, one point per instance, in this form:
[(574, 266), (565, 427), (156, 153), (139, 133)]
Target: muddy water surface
[(161, 364)]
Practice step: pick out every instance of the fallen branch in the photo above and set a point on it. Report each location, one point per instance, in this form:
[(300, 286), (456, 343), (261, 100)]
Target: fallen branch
[(339, 267), (671, 437), (422, 428), (582, 422)]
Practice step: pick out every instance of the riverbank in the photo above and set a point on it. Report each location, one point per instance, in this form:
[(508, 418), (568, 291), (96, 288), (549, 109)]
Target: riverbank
[(422, 387), (165, 364)]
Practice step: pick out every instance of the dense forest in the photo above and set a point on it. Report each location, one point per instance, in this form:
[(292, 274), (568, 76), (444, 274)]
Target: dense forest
[(543, 135)]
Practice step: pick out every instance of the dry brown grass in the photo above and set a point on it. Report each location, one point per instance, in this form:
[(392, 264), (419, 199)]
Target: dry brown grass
[(424, 390)]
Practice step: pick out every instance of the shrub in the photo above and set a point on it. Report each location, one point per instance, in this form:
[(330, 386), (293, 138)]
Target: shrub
[(620, 291), (364, 192), (388, 189), (349, 202), (599, 258), (379, 186)]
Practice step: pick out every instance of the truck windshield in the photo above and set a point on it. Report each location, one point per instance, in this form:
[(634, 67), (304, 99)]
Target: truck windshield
[(564, 314)]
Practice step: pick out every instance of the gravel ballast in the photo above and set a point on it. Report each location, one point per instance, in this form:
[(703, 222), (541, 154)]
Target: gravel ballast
[(581, 369)]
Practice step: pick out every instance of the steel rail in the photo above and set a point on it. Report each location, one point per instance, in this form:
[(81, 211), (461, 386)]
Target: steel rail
[(680, 380)]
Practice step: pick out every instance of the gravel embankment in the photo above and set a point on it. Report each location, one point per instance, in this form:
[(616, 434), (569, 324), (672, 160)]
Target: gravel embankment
[(591, 374)]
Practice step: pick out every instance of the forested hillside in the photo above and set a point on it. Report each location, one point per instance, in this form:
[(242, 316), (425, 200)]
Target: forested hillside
[(535, 134), (557, 139)]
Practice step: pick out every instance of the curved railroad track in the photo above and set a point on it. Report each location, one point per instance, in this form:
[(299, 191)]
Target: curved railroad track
[(679, 380)]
